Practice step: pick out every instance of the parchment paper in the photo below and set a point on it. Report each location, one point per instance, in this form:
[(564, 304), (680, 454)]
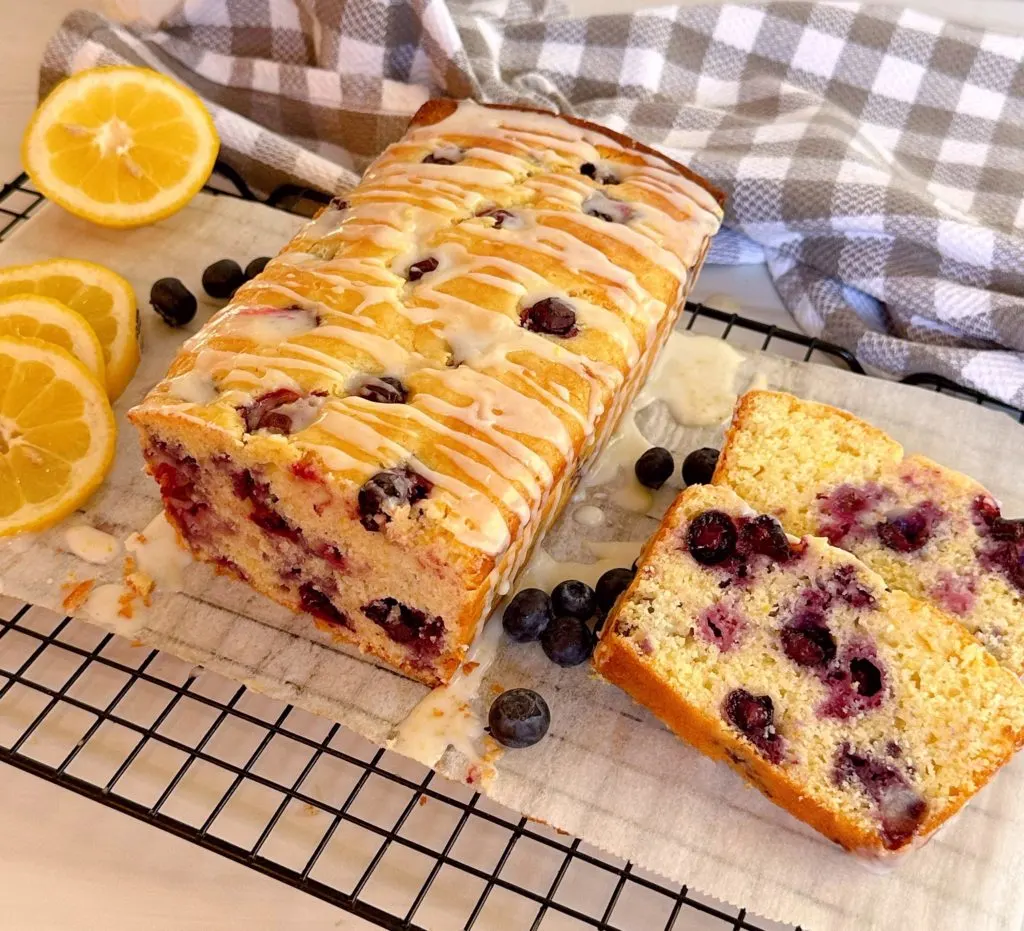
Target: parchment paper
[(608, 771)]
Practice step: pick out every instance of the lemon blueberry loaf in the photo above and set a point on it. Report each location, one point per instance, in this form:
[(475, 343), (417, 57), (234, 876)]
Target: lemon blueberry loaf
[(380, 425), (869, 714), (933, 532)]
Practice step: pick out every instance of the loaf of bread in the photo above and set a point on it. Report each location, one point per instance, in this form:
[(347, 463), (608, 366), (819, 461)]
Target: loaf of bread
[(379, 427), (933, 532), (868, 714)]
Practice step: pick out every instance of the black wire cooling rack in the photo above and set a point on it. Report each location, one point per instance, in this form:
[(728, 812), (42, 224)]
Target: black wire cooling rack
[(301, 799)]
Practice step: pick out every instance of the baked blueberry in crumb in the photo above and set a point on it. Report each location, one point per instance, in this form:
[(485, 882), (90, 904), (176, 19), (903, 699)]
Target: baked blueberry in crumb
[(406, 625), (598, 173), (909, 531), (518, 718), (808, 642), (699, 466), (721, 624), (387, 491), (604, 208), (551, 315), (763, 535), (711, 537), (383, 390), (855, 682), (526, 615), (501, 217), (423, 267), (567, 641), (654, 467), (612, 584), (574, 598), (338, 203), (754, 717), (260, 414), (900, 807), (315, 602), (448, 155)]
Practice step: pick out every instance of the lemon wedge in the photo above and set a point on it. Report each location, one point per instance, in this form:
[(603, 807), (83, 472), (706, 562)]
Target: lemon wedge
[(121, 146), (53, 322), (57, 434), (104, 299)]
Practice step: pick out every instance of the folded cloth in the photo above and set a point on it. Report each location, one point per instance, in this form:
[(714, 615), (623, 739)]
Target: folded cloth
[(874, 156)]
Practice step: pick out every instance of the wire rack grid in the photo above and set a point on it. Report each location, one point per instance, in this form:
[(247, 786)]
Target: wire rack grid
[(303, 800)]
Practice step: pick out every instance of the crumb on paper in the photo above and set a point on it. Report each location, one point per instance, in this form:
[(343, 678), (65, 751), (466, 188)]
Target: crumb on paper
[(437, 712), (422, 801), (77, 594), (467, 668), (311, 810), (496, 688)]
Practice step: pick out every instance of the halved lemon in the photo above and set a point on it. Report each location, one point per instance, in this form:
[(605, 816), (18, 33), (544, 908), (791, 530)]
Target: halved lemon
[(53, 322), (104, 299), (120, 146), (57, 434)]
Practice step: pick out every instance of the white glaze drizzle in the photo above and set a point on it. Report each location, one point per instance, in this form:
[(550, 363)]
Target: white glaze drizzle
[(409, 210)]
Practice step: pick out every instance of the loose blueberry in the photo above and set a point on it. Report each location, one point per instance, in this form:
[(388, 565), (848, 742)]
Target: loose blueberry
[(754, 717), (699, 466), (256, 266), (711, 537), (423, 267), (223, 278), (175, 304), (574, 598), (383, 390), (518, 718), (387, 491), (905, 533), (526, 615), (551, 315), (808, 645), (567, 641), (654, 467), (763, 535), (612, 584)]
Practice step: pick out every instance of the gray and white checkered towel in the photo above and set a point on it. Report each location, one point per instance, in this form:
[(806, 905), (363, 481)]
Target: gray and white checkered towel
[(874, 156)]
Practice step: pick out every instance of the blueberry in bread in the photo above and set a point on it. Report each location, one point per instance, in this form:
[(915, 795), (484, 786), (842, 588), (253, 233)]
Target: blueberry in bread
[(381, 424), (868, 714), (931, 531)]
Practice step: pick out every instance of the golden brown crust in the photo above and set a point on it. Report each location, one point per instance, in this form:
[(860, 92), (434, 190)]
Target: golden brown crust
[(439, 108)]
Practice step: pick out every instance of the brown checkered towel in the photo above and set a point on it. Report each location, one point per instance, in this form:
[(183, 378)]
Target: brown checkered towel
[(874, 156)]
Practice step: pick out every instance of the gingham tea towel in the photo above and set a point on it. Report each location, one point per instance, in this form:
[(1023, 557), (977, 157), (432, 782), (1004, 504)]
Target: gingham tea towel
[(874, 157)]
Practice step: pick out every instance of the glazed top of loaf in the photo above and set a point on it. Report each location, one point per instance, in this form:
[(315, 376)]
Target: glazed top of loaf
[(507, 268)]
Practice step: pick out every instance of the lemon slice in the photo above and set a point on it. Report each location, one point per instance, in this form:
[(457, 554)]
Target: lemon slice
[(57, 434), (104, 299), (53, 322), (120, 146)]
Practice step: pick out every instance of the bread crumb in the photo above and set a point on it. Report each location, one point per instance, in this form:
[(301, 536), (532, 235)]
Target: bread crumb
[(437, 712), (422, 801), (77, 594), (467, 668)]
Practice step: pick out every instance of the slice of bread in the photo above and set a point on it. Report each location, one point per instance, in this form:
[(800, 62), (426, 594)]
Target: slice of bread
[(868, 714), (933, 532)]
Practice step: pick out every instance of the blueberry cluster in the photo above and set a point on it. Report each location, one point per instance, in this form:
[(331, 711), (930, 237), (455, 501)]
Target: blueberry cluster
[(177, 306)]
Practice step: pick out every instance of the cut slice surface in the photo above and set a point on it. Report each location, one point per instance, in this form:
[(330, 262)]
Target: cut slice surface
[(121, 146), (57, 434), (103, 298), (51, 321)]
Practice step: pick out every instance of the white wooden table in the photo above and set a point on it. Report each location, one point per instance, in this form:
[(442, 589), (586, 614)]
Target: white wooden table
[(67, 862)]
